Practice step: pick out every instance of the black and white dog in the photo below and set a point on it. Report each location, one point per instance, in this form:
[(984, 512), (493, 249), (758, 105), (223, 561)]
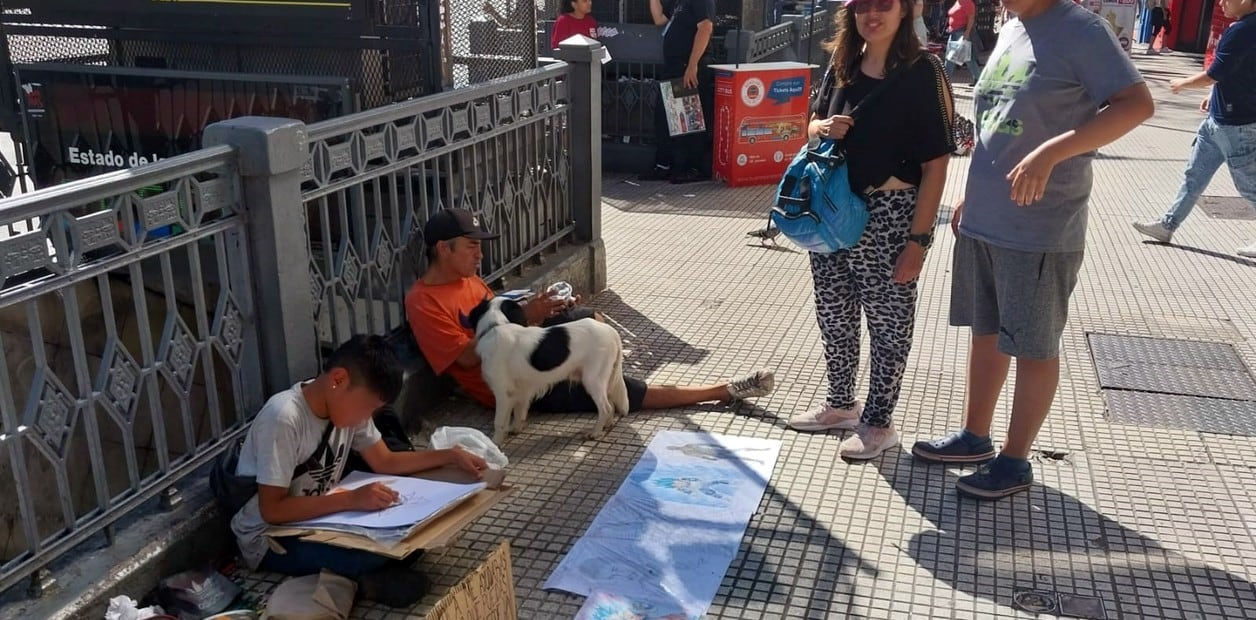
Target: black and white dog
[(521, 363)]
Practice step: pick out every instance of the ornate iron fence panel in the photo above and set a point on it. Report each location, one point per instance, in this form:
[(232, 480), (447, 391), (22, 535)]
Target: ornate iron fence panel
[(499, 149), (129, 349)]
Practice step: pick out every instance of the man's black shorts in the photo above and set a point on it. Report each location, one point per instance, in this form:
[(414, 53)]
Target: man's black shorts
[(571, 397)]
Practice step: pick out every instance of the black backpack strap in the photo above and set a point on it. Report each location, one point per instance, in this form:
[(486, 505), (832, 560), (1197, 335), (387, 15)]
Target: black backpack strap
[(315, 460)]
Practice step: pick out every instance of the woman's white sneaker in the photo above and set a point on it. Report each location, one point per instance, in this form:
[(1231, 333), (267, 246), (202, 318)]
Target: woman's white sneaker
[(824, 418)]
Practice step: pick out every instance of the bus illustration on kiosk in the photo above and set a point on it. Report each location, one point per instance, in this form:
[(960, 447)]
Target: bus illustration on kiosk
[(781, 128)]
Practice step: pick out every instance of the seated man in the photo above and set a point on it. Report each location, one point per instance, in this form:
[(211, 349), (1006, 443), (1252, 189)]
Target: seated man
[(296, 449), (439, 302)]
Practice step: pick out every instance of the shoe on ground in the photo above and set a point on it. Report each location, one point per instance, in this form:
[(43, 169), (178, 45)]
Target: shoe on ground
[(959, 447), (1249, 251), (997, 479), (868, 442), (825, 417), (394, 586), (655, 173), (1155, 230), (688, 176), (756, 384)]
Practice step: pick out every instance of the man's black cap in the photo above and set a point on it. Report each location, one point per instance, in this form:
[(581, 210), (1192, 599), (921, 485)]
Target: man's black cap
[(453, 223)]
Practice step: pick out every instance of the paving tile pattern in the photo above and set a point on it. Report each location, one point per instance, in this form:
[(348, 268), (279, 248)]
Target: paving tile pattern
[(1156, 523)]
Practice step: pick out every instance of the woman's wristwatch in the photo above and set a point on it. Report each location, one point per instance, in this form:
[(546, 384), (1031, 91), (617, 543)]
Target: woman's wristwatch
[(924, 240)]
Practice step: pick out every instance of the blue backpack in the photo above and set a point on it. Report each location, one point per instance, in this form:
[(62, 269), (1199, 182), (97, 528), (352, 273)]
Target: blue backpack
[(815, 207)]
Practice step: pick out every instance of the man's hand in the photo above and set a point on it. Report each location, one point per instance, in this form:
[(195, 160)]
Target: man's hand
[(956, 213), (467, 462), (1029, 177), (909, 264), (1204, 105), (1179, 85), (542, 307), (372, 497), (691, 76)]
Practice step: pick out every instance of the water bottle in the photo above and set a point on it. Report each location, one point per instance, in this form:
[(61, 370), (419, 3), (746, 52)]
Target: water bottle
[(560, 290)]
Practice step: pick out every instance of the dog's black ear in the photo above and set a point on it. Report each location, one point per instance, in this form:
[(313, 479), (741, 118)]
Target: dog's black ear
[(514, 312), (477, 313)]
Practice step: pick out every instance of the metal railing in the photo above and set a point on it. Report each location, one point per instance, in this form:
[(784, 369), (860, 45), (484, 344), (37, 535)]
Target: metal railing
[(130, 350), (498, 149)]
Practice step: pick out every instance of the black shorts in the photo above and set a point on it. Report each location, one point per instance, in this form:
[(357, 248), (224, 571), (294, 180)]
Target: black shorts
[(570, 396)]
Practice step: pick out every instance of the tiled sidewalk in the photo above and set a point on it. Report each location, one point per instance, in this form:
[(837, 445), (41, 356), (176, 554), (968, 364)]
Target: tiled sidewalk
[(1154, 523)]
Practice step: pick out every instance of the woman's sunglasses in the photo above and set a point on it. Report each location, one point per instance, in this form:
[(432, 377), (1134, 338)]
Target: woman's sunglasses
[(861, 7)]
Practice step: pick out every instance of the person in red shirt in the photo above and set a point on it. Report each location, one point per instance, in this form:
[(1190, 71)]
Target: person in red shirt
[(573, 19), (438, 304), (962, 23)]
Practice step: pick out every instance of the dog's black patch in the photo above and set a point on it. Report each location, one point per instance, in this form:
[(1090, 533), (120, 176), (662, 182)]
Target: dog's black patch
[(514, 312), (553, 349), (472, 321)]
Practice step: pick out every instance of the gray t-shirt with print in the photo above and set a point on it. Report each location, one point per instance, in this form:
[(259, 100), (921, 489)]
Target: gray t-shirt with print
[(1047, 75), (285, 448)]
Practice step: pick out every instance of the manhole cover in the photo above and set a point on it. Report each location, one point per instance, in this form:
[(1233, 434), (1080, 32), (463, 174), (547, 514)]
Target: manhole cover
[(1082, 607), (1227, 208), (1035, 601), (1210, 415), (1169, 366)]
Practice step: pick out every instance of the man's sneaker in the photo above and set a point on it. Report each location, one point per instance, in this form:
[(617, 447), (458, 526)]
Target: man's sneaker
[(753, 385), (997, 479), (1249, 251), (960, 447), (824, 417), (655, 173), (868, 442), (1155, 230)]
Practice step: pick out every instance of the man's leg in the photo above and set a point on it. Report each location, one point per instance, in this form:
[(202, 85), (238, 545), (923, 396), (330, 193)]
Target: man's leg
[(1036, 382), (987, 372), (306, 558), (664, 144), (674, 396), (1206, 157), (1241, 158)]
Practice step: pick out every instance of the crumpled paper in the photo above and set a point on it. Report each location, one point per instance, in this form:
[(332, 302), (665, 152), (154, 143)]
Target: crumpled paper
[(126, 608)]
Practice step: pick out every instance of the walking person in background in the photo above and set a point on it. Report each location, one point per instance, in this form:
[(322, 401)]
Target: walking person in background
[(962, 22), (574, 18), (1157, 19), (1057, 87), (1228, 135), (686, 34), (918, 22), (897, 148)]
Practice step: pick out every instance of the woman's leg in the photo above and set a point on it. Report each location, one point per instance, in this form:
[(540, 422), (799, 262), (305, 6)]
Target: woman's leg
[(837, 313)]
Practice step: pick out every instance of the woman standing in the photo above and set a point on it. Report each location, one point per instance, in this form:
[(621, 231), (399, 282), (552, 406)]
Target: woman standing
[(573, 19), (1228, 135), (897, 149)]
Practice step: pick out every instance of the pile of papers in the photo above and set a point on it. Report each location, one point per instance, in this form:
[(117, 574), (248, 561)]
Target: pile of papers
[(419, 501)]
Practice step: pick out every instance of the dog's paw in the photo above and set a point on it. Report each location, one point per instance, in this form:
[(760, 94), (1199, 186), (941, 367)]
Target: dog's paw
[(596, 433), (499, 437), (517, 427)]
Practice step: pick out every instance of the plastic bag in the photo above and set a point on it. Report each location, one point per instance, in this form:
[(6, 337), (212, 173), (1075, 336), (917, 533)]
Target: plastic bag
[(125, 608), (471, 440), (194, 594), (958, 51)]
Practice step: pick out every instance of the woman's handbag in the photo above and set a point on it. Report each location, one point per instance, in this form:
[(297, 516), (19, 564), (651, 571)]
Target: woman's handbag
[(958, 51), (815, 206)]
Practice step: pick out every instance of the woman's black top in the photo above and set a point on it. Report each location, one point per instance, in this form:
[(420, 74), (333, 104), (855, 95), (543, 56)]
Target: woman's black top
[(904, 127)]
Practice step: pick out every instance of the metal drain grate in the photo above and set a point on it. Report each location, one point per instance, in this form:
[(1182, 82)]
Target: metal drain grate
[(1227, 208), (1168, 383)]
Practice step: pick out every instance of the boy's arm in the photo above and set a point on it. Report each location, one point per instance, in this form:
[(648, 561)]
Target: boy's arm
[(278, 507), (385, 461)]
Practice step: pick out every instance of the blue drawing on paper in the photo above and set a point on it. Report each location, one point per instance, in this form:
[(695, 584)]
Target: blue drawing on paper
[(695, 485)]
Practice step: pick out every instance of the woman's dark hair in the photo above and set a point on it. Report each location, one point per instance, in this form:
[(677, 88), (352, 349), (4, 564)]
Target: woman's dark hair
[(847, 45), (370, 362), (566, 6)]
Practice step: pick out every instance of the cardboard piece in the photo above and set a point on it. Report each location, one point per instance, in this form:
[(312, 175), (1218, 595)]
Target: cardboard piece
[(438, 533), (487, 593), (325, 596)]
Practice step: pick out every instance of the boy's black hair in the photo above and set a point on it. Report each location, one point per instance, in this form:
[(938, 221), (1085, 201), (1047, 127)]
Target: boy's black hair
[(564, 7), (370, 362)]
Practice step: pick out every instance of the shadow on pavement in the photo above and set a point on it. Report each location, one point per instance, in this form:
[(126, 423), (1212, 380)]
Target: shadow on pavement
[(1045, 539)]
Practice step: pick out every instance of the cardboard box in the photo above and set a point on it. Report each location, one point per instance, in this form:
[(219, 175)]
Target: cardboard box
[(486, 593), (440, 532)]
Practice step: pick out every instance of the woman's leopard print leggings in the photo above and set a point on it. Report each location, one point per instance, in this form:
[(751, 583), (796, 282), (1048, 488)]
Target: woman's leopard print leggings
[(862, 278)]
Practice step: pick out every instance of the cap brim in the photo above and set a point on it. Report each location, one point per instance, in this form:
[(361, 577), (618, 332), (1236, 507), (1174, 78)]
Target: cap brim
[(482, 236)]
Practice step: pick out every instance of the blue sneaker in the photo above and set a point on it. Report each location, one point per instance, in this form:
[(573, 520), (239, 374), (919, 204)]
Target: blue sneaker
[(997, 479), (960, 447)]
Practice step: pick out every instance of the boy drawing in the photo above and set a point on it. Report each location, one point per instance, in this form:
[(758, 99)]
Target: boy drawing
[(296, 449)]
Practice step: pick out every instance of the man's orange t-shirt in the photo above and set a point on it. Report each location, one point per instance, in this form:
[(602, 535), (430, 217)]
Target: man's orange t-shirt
[(438, 317)]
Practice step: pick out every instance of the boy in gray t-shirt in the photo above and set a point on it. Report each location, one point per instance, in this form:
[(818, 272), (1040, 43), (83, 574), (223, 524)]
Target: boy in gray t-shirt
[(296, 449), (1056, 87)]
